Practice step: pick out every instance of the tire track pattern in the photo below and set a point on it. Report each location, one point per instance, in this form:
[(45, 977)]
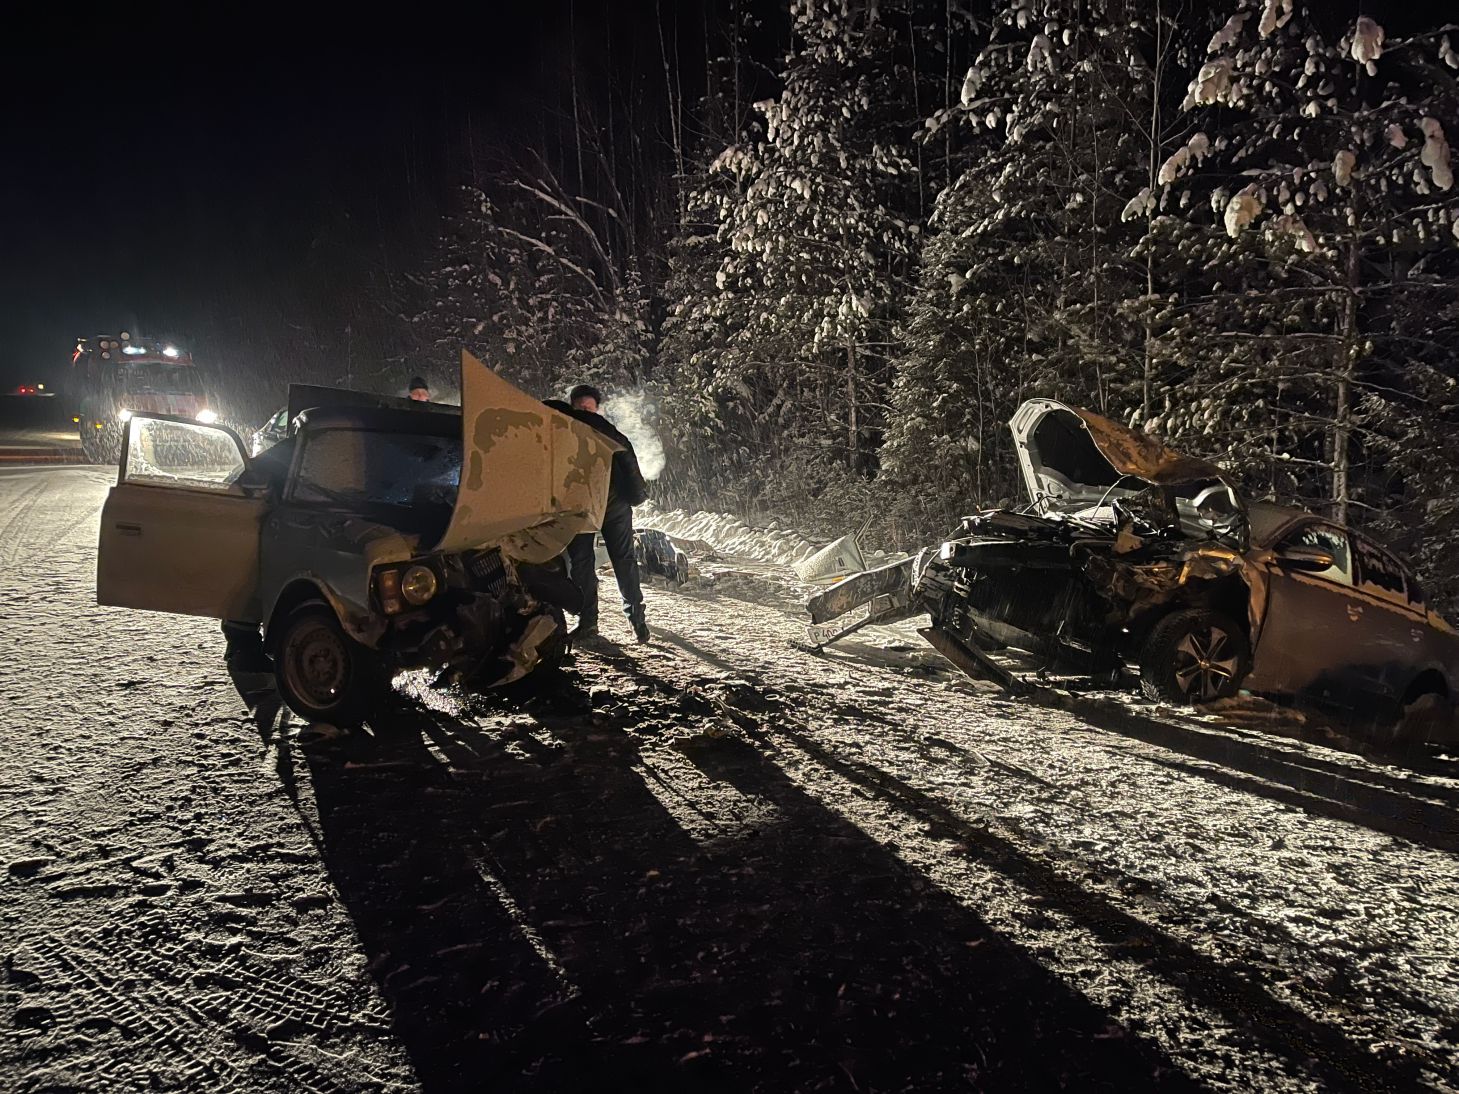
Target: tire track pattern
[(171, 1014)]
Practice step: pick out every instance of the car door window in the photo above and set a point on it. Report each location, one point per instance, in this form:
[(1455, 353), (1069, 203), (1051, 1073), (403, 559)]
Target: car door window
[(1332, 540), (1379, 574), (182, 454)]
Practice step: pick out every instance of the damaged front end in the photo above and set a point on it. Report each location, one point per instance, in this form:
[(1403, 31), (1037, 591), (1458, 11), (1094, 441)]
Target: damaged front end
[(475, 614), (1118, 533)]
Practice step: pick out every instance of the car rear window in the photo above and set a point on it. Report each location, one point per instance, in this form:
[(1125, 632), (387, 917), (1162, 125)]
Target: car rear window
[(360, 467), (1380, 573)]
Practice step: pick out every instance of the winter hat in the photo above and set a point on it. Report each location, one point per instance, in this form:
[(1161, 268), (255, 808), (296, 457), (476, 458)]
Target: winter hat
[(585, 391), (417, 381)]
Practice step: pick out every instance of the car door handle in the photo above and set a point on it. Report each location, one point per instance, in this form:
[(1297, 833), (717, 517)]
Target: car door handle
[(129, 529)]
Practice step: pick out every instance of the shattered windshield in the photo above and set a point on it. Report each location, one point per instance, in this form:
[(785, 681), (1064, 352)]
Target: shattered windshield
[(359, 468)]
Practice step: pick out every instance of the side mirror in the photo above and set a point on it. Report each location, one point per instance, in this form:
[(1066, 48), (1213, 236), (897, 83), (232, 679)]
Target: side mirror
[(1312, 560)]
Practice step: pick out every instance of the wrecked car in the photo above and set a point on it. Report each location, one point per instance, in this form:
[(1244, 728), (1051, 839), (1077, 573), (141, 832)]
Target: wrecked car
[(1130, 555), (380, 535)]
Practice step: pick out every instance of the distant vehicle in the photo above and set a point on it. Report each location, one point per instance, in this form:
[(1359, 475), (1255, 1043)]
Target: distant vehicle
[(358, 543), (116, 376), (33, 389), (1131, 554)]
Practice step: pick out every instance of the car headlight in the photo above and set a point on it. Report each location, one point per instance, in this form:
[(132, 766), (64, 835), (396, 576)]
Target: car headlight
[(418, 584), (124, 415), (207, 416)]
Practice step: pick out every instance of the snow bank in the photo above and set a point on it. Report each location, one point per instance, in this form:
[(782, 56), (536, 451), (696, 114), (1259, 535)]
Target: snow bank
[(728, 535)]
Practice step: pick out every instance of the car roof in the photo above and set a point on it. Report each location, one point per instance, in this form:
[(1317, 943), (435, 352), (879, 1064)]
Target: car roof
[(426, 423)]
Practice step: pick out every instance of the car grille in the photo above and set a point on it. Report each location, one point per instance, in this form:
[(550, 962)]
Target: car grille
[(488, 571)]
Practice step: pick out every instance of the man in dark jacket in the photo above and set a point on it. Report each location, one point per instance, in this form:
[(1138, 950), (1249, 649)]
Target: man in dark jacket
[(626, 489)]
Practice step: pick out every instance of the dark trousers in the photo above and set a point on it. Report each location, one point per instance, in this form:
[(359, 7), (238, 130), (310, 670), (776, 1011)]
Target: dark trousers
[(618, 536), (242, 636)]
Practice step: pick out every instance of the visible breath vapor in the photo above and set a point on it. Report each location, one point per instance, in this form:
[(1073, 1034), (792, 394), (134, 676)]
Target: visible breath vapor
[(633, 413)]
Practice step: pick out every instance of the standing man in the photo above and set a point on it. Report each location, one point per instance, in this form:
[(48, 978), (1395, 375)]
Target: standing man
[(419, 392), (626, 489)]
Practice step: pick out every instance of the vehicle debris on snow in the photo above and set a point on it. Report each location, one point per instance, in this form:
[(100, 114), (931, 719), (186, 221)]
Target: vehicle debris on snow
[(1131, 555)]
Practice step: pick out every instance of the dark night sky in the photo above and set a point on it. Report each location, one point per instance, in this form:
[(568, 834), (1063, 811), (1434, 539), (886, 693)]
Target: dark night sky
[(174, 175), (163, 171)]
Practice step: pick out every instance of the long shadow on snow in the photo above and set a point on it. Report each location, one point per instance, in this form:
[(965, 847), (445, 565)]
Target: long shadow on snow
[(1370, 799), (1282, 1029), (537, 920)]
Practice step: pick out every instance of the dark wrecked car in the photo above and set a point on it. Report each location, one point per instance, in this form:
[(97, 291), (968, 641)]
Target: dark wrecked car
[(380, 535), (1129, 554)]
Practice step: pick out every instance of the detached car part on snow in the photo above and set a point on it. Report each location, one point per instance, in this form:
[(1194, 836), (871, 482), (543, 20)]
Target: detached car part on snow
[(380, 535), (1129, 553)]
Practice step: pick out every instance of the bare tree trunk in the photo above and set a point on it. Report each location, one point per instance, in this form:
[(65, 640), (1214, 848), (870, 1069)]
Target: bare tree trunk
[(853, 415), (1148, 370), (735, 60), (675, 110), (1342, 429), (577, 122)]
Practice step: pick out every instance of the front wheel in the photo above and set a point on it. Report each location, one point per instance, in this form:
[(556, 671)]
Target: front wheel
[(1193, 657), (323, 674)]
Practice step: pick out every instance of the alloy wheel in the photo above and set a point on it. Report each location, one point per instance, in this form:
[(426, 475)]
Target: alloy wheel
[(1206, 663)]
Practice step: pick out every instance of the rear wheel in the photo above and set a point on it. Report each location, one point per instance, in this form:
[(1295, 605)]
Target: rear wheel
[(1194, 656), (1425, 715), (323, 674)]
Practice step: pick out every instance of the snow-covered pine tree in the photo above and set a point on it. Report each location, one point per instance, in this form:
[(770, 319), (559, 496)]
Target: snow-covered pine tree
[(1308, 238), (818, 236), (1024, 281)]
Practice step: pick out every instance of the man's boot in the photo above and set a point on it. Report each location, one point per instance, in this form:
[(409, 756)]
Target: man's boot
[(640, 625)]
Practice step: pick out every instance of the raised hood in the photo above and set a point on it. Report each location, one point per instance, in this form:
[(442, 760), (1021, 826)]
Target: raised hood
[(1073, 459), (531, 477)]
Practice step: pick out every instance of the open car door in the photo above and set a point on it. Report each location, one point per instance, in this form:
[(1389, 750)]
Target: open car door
[(179, 532)]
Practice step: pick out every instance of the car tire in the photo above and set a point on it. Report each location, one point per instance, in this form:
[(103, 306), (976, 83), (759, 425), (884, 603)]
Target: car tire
[(1425, 715), (322, 673), (1194, 656)]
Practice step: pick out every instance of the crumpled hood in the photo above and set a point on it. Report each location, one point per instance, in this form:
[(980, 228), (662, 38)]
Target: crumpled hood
[(1074, 454), (531, 477)]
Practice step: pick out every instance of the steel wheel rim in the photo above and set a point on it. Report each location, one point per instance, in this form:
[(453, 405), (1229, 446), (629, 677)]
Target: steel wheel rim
[(316, 664), (1205, 662)]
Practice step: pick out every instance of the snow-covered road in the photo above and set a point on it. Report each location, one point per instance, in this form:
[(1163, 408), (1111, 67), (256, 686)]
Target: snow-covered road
[(712, 863)]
